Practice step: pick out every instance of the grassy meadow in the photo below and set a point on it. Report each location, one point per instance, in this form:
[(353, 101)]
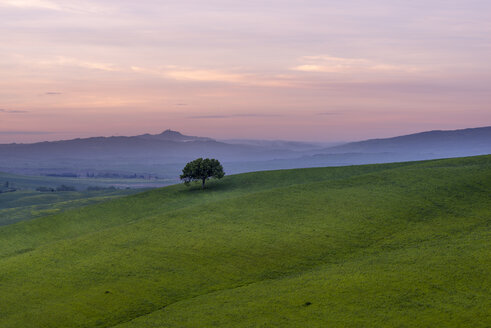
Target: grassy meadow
[(391, 245)]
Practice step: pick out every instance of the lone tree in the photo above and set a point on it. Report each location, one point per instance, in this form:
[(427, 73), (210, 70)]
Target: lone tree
[(201, 170)]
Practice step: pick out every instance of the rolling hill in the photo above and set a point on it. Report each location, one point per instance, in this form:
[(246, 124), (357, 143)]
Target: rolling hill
[(394, 245)]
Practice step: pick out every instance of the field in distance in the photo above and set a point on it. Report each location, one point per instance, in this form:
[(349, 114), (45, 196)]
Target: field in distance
[(395, 245), (21, 198), (25, 205)]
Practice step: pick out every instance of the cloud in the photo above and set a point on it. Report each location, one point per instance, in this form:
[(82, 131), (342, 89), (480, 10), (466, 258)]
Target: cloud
[(65, 6), (190, 74), (204, 75), (53, 93), (329, 64), (66, 61), (24, 132), (181, 104), (209, 75), (54, 63), (328, 113), (232, 116), (40, 4), (13, 111), (72, 62)]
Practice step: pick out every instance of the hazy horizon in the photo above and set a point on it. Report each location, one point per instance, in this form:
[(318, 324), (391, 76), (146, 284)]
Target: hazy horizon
[(327, 142), (312, 70)]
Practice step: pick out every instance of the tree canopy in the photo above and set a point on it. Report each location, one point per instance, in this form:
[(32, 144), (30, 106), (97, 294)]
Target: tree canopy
[(201, 170)]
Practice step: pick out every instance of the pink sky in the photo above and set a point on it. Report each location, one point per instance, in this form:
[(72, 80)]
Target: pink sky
[(298, 70)]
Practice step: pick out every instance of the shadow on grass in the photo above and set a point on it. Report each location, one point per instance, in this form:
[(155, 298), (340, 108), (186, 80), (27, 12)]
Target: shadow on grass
[(210, 186)]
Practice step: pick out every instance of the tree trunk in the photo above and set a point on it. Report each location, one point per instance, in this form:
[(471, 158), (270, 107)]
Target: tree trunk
[(203, 185)]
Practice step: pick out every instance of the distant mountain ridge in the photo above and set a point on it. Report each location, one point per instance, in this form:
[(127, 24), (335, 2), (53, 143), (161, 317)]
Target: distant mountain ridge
[(165, 154), (167, 147), (282, 144), (167, 135), (171, 135), (463, 142)]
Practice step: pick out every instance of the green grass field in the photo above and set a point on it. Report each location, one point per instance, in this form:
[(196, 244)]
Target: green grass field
[(393, 245)]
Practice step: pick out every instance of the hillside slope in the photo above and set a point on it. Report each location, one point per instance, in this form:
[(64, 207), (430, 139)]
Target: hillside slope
[(402, 244)]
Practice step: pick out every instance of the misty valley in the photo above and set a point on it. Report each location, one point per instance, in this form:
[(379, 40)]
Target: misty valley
[(157, 159)]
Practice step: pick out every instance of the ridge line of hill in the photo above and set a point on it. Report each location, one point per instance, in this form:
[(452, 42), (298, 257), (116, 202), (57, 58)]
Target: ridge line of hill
[(156, 212), (149, 216), (145, 217)]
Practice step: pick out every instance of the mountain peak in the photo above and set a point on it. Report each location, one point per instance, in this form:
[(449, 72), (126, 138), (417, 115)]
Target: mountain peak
[(171, 135), (170, 132)]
